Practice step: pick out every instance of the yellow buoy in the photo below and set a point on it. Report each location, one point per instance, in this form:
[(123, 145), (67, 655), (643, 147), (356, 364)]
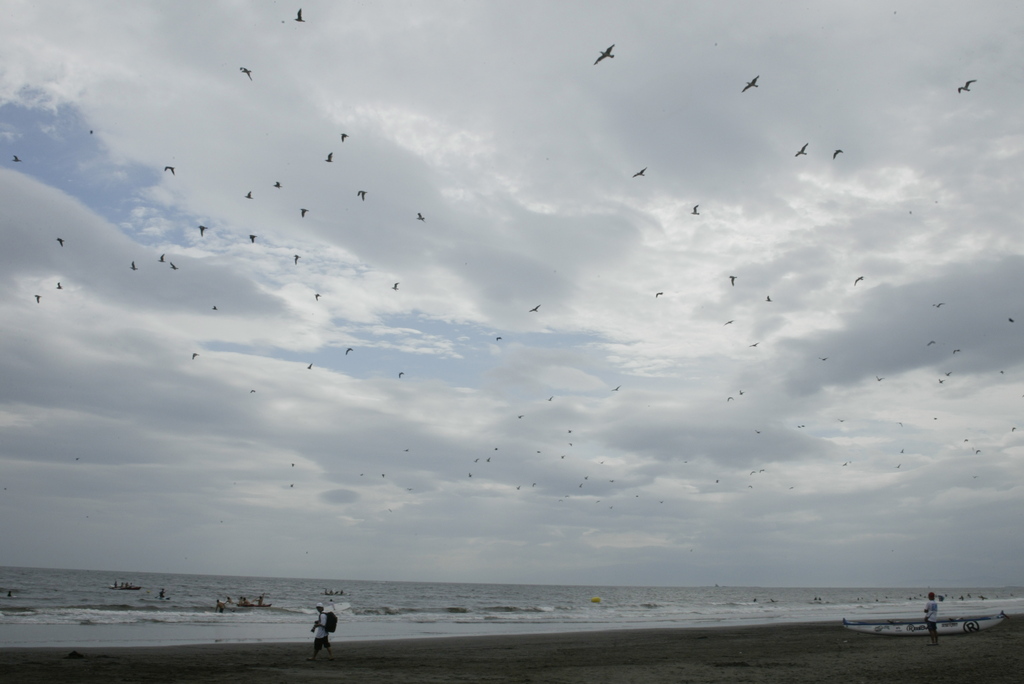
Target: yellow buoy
[(596, 599)]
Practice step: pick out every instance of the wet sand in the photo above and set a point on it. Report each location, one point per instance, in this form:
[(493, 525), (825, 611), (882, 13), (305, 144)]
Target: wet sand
[(784, 654)]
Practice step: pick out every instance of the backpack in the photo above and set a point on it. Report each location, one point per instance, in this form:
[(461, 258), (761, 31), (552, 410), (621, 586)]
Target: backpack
[(332, 622)]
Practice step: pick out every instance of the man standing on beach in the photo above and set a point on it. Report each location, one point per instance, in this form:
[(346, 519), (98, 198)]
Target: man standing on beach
[(320, 639), (931, 616)]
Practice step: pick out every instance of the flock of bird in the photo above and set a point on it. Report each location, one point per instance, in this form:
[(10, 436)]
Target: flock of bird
[(584, 465)]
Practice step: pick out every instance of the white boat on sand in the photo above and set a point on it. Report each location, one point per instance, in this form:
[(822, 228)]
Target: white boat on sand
[(917, 626)]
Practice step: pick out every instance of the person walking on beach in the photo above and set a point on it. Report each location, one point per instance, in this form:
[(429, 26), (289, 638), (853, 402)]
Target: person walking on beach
[(931, 616), (320, 639)]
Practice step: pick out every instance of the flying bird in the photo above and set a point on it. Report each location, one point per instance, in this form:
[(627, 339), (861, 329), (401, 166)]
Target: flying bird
[(309, 367), (161, 259), (252, 239), (966, 86), (303, 211), (535, 308), (169, 168), (277, 184), (803, 150), (362, 195), (640, 172), (606, 53), (732, 280), (298, 17), (245, 71), (343, 136), (248, 195), (61, 241), (658, 294), (16, 158), (134, 267), (348, 350), (61, 288), (330, 157), (317, 296), (750, 84), (395, 287), (695, 212), (729, 322), (194, 355), (859, 278), (297, 257), (419, 217), (173, 267), (836, 153), (768, 298), (38, 297), (614, 390), (401, 374)]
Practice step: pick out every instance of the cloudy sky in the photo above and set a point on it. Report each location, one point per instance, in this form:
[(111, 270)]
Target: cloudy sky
[(741, 366)]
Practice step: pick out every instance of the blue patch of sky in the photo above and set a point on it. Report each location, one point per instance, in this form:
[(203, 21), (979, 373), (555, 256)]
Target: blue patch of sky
[(472, 344), (58, 148)]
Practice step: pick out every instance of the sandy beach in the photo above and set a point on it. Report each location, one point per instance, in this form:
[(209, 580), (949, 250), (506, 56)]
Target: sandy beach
[(785, 653)]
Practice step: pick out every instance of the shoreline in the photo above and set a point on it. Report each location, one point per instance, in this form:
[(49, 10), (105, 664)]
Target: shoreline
[(790, 652)]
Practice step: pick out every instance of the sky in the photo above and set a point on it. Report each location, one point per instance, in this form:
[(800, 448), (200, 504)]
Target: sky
[(593, 322)]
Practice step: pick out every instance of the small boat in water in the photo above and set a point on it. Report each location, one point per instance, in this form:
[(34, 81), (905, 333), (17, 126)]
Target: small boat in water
[(917, 626)]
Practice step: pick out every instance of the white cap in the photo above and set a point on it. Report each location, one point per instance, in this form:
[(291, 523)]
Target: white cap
[(319, 605)]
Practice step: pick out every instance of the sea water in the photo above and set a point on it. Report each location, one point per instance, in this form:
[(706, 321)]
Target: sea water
[(49, 607)]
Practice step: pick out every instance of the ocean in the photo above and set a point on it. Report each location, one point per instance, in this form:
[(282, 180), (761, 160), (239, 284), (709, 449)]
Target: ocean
[(77, 608)]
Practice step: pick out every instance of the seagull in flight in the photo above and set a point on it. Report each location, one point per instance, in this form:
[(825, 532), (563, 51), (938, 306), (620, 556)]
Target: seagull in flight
[(658, 294), (330, 157), (860, 278), (317, 296), (695, 212), (304, 211), (419, 217), (252, 239), (38, 297), (803, 150), (245, 71), (395, 287), (61, 241), (173, 267), (248, 195), (277, 184), (640, 172), (299, 17), (836, 153), (348, 350), (16, 158), (534, 309), (343, 136), (751, 84), (606, 53), (966, 86), (614, 390), (134, 267), (362, 195), (297, 257), (732, 280), (202, 230), (169, 168), (161, 259)]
